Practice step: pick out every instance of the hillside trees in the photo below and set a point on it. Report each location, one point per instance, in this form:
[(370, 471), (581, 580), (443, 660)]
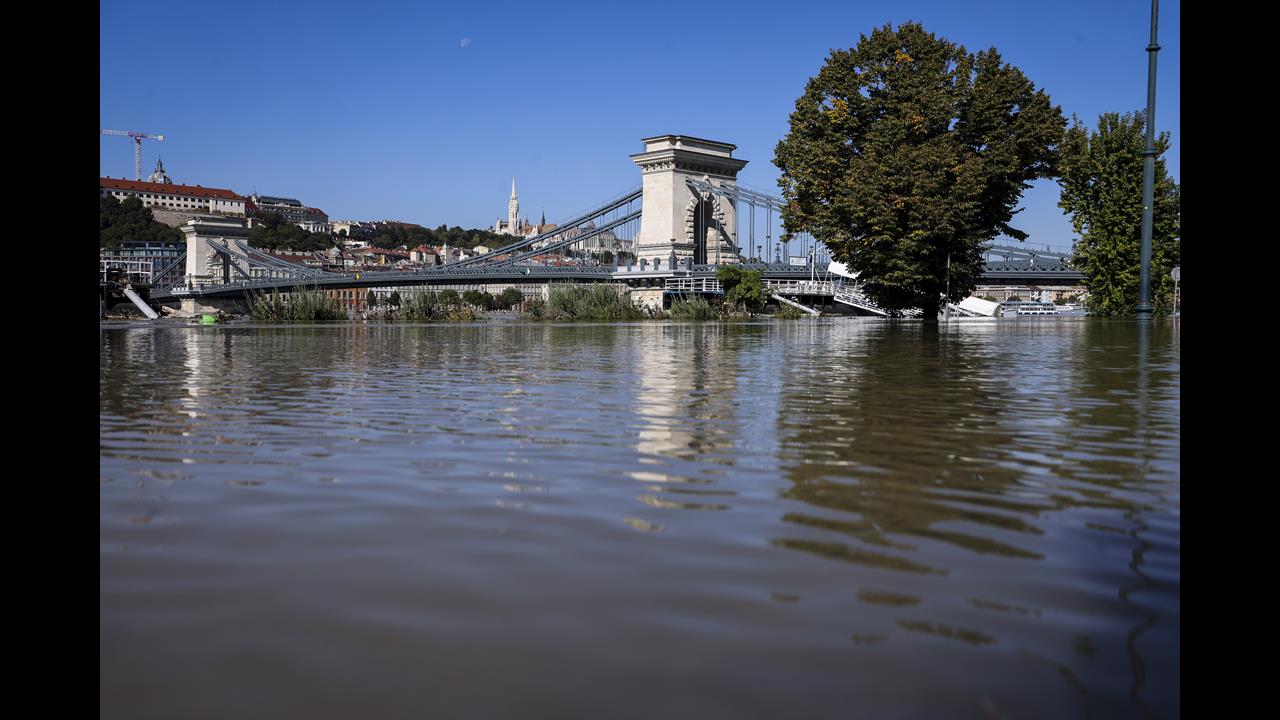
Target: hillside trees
[(276, 233), (130, 221)]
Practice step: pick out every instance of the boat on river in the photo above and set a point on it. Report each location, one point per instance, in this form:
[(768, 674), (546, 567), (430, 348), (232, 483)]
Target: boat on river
[(1028, 307)]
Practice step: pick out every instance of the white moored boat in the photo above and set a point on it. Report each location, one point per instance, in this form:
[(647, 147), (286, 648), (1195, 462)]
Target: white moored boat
[(1023, 308)]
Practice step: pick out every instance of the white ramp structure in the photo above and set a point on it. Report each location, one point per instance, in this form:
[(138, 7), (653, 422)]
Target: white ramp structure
[(976, 307), (145, 308)]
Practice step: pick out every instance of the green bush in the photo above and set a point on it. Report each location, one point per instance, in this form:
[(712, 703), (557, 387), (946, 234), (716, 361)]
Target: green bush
[(463, 313), (450, 298), (475, 298), (299, 306), (786, 312), (421, 307), (509, 298), (590, 302), (695, 308), (536, 309), (742, 287)]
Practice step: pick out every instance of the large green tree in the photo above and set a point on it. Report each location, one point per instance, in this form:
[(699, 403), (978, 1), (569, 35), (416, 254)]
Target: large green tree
[(1101, 179), (129, 221), (905, 150)]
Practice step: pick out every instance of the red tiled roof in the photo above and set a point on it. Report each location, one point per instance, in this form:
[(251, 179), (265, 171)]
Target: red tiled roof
[(193, 190)]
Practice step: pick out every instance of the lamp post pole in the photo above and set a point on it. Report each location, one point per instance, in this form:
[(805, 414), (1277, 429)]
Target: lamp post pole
[(1144, 308)]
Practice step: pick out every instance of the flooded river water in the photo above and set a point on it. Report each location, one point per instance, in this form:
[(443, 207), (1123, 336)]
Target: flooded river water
[(819, 518)]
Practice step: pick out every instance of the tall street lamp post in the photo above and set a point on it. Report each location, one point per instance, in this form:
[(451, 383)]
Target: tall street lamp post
[(1144, 308)]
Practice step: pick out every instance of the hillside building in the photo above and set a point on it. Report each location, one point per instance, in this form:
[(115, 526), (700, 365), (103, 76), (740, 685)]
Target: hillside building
[(165, 195)]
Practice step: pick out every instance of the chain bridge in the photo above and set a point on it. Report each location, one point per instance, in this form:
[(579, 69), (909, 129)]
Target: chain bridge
[(689, 216)]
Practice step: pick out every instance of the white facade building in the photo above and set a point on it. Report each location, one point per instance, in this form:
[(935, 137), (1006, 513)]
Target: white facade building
[(168, 196)]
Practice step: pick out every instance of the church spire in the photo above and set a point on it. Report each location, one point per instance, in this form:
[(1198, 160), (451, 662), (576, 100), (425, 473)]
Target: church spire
[(513, 210), (159, 176)]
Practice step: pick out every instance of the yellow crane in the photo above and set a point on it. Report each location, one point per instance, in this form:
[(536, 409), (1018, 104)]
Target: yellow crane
[(137, 147)]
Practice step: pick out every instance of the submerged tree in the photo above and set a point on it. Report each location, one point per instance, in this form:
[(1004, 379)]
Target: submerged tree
[(906, 150), (1102, 192)]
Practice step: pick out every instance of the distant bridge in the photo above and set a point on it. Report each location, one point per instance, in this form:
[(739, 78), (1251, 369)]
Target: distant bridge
[(680, 225)]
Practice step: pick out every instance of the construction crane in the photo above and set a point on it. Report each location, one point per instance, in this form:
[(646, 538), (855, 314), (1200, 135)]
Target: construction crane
[(137, 147)]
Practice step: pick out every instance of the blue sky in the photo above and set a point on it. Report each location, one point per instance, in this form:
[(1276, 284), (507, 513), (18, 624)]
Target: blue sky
[(424, 111)]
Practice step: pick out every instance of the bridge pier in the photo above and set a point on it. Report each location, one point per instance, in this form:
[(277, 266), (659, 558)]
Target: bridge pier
[(648, 297)]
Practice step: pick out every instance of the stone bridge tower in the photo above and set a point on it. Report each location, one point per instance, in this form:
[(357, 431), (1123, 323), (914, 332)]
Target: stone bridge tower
[(676, 220)]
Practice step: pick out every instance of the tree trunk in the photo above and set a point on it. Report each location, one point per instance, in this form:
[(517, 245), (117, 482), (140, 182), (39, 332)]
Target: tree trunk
[(930, 310)]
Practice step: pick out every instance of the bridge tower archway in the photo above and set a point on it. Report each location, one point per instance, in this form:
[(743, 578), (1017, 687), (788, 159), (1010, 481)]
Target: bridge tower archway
[(676, 220), (705, 226)]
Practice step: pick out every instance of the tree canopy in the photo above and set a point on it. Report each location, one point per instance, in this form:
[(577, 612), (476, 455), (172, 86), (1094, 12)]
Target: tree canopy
[(1101, 180), (394, 236), (906, 149), (274, 232), (742, 287), (129, 221)]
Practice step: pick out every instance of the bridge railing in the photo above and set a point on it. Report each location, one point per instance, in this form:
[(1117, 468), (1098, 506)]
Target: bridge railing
[(702, 284), (709, 284), (801, 287)]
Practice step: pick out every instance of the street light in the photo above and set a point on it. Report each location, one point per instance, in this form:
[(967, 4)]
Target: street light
[(1148, 175)]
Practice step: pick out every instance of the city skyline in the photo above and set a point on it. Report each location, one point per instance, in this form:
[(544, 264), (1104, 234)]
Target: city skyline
[(425, 114)]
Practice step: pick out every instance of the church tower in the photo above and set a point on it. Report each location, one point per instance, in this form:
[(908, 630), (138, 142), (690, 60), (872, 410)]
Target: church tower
[(513, 210), (159, 176)]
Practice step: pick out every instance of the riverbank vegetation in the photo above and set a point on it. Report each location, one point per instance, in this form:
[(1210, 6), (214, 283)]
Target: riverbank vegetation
[(694, 308), (299, 306), (588, 302), (745, 296), (425, 306)]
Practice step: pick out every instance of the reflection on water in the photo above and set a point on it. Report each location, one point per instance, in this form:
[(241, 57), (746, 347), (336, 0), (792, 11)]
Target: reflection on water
[(761, 519)]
